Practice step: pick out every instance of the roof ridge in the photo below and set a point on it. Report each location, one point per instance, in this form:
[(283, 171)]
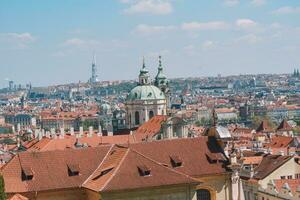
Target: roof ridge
[(116, 170), (98, 165)]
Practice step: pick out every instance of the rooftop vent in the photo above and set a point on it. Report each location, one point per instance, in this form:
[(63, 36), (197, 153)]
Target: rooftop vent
[(176, 161), (144, 170), (73, 169)]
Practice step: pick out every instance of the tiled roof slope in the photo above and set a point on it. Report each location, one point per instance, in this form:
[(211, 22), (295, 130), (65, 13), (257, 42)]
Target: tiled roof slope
[(46, 144), (117, 167), (50, 169), (150, 128), (200, 156), (125, 174), (284, 126), (269, 164)]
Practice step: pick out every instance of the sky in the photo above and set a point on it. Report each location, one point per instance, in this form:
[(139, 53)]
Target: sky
[(52, 41)]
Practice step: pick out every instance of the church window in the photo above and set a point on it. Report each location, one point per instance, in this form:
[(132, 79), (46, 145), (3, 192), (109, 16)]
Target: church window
[(151, 114), (203, 194), (137, 118)]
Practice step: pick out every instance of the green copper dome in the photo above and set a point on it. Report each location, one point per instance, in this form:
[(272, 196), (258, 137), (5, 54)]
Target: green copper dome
[(145, 92)]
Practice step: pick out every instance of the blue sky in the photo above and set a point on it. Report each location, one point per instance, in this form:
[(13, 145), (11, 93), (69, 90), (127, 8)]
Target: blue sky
[(52, 41)]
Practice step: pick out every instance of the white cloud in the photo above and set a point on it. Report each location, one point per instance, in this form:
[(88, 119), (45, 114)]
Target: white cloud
[(154, 55), (286, 10), (249, 39), (258, 2), (17, 40), (201, 26), (208, 44), (77, 42), (246, 24), (231, 2), (154, 7), (144, 29)]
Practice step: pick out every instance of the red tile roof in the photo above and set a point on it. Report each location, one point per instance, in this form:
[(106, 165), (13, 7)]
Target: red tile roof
[(293, 184), (279, 142), (68, 141), (117, 167), (18, 197), (150, 128), (284, 126), (50, 169), (269, 164), (264, 127)]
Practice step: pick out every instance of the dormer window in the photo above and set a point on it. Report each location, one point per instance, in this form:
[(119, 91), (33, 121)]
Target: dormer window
[(27, 174), (144, 170), (211, 157), (176, 161), (103, 172), (73, 169)]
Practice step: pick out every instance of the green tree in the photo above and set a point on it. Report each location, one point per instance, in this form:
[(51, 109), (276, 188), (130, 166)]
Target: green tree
[(2, 189)]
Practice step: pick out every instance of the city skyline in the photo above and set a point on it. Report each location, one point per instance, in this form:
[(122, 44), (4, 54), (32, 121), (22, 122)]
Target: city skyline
[(57, 39)]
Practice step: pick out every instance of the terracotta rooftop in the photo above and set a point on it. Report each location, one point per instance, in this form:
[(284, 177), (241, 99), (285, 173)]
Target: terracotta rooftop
[(116, 167), (264, 127), (293, 184), (18, 197), (47, 144), (150, 128), (255, 160), (269, 164), (284, 126), (50, 169), (279, 142)]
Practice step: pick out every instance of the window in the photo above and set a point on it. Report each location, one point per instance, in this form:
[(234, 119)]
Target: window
[(151, 114), (282, 177), (27, 174), (175, 161), (203, 194), (297, 176), (73, 169), (137, 118), (144, 170), (290, 177)]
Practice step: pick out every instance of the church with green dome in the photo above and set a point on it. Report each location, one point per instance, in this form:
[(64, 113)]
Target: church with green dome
[(146, 99)]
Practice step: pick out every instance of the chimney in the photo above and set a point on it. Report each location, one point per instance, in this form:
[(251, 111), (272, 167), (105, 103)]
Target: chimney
[(80, 132), (251, 171), (90, 134), (52, 132), (40, 135), (72, 130), (99, 131), (43, 133), (36, 133), (109, 133), (62, 133), (281, 152), (18, 127), (47, 134)]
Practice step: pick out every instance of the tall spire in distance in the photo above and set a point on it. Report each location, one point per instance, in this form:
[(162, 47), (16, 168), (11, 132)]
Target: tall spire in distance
[(93, 78)]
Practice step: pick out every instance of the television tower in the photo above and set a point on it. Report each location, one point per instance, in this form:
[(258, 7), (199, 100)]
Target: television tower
[(93, 79)]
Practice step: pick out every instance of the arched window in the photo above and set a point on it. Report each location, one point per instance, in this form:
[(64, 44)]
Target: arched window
[(151, 114), (137, 118), (203, 194)]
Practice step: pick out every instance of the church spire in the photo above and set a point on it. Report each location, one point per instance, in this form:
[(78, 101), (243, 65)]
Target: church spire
[(144, 78)]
